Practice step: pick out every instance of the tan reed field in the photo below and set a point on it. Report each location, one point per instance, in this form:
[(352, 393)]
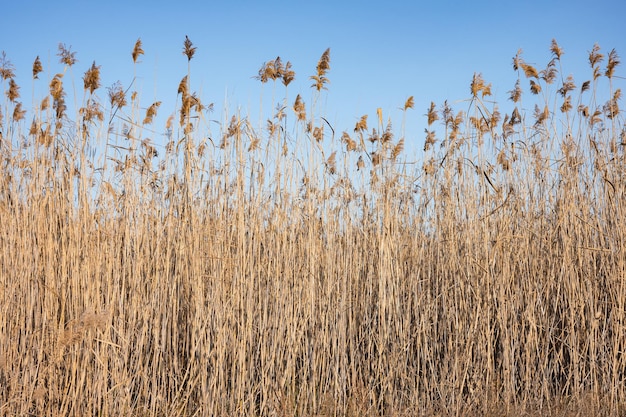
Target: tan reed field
[(304, 269)]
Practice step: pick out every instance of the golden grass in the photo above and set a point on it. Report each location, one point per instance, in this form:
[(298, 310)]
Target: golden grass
[(278, 272)]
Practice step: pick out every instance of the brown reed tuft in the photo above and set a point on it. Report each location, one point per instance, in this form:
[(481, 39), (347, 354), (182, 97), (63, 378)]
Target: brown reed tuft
[(432, 114), (535, 88), (611, 108), (556, 49), (478, 86), (409, 103), (66, 56), (430, 139), (516, 94), (183, 86), (516, 117), (299, 108), (397, 149), (188, 49), (37, 68), (92, 112), (323, 65), (14, 90), (529, 70), (267, 72), (595, 57), (568, 85), (360, 163), (288, 74), (318, 134), (91, 78), (541, 115), (45, 103), (549, 73), (151, 112), (361, 125), (585, 86), (387, 135), (517, 60), (613, 62), (7, 70), (58, 96), (349, 142), (331, 163), (18, 112), (138, 50), (117, 95)]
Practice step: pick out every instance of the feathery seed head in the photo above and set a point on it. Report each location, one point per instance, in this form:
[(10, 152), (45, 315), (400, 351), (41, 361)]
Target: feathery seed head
[(516, 93), (568, 85), (37, 68), (18, 113), (408, 104), (360, 163), (516, 118), (183, 86), (67, 57), (478, 86), (137, 50), (288, 74), (117, 96), (151, 112), (517, 60), (331, 163), (323, 66), (14, 90), (549, 74), (361, 125), (267, 72), (350, 143), (614, 61), (585, 86), (595, 57), (299, 108), (92, 78), (397, 149), (556, 49), (430, 139), (388, 133), (6, 67), (188, 49), (529, 70), (432, 114), (535, 88), (567, 104)]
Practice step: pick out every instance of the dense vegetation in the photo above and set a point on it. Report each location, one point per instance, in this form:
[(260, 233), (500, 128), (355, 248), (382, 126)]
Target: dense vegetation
[(295, 270)]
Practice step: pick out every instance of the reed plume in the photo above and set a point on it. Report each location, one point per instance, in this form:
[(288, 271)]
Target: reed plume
[(91, 79), (323, 65), (37, 68), (66, 56), (138, 50), (188, 49), (7, 70)]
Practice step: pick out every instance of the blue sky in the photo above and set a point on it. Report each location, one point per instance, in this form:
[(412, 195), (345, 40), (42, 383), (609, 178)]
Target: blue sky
[(381, 52)]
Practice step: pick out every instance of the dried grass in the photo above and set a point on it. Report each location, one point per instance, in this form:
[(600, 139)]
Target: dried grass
[(201, 278)]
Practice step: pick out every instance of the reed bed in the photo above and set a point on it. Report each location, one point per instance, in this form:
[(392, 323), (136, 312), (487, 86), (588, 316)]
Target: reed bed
[(290, 269)]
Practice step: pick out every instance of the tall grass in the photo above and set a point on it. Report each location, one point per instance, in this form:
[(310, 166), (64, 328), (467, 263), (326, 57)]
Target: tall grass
[(291, 269)]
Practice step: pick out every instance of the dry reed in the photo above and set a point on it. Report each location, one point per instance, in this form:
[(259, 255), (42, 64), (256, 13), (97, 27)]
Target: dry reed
[(201, 278)]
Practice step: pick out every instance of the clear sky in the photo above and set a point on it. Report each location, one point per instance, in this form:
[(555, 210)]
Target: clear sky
[(381, 52)]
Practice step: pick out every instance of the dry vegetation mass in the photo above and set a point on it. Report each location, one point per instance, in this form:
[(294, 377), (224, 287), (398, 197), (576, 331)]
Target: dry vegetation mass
[(289, 269)]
